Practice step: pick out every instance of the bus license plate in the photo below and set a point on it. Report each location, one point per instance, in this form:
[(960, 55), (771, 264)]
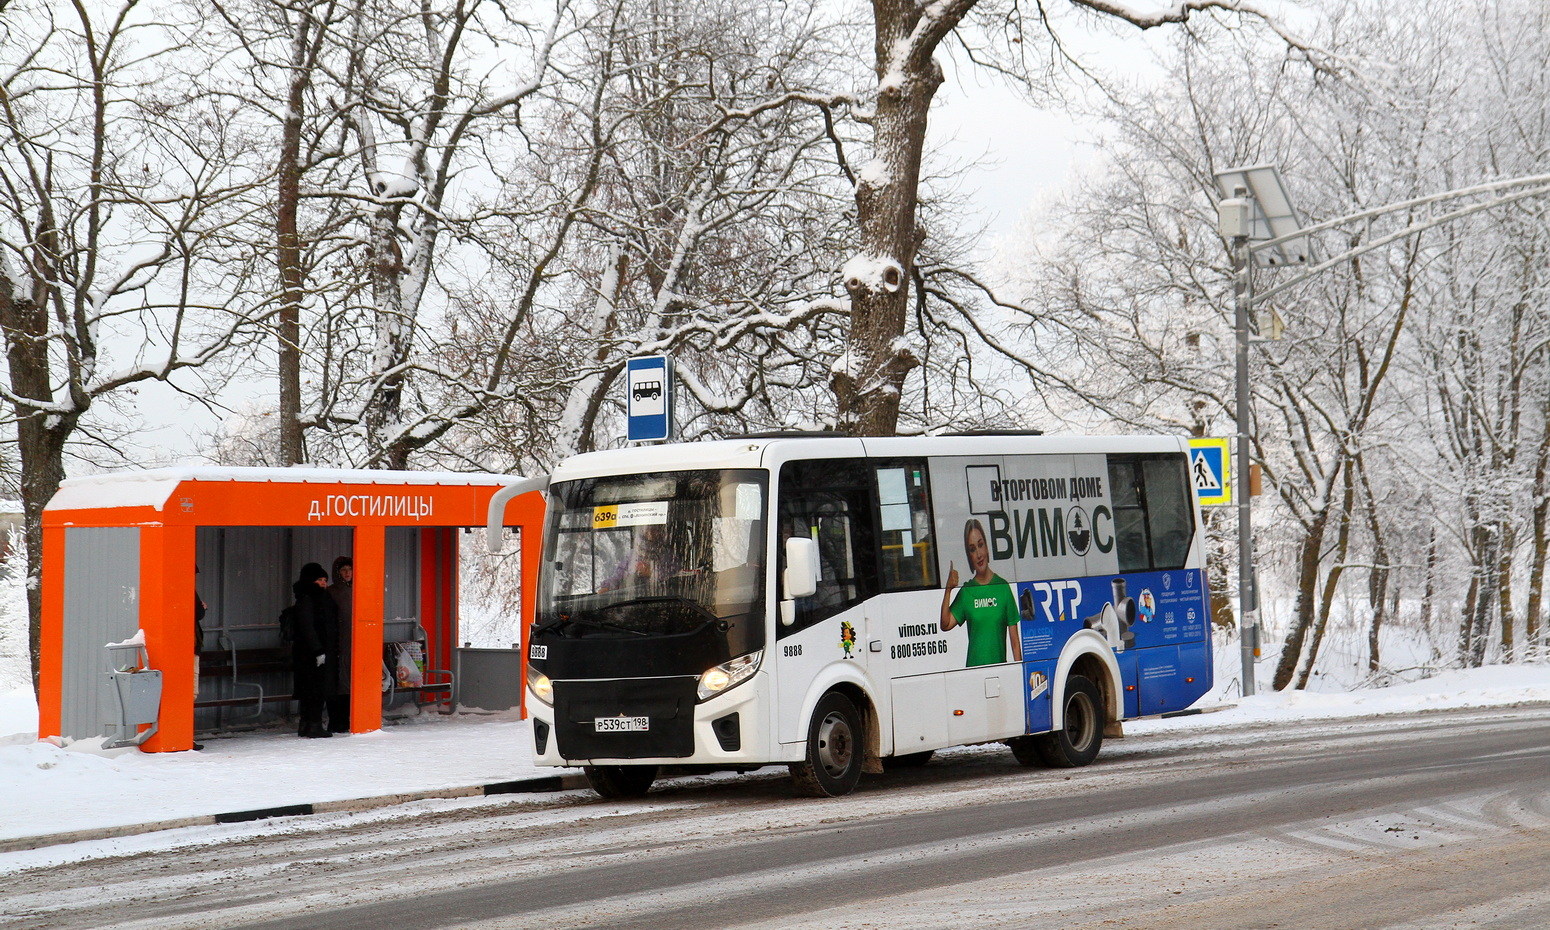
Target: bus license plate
[(621, 724)]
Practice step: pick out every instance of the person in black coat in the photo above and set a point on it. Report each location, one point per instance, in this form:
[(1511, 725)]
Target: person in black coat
[(343, 593), (314, 648)]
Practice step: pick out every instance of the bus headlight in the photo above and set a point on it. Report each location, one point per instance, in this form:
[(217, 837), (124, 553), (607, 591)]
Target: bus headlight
[(729, 674), (540, 685)]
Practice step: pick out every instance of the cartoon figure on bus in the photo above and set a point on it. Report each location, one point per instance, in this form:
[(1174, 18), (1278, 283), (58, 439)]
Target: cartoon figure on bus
[(985, 604)]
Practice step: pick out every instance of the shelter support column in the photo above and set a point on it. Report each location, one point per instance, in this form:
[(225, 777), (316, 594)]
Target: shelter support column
[(167, 617), (451, 622), (51, 670), (438, 594), (532, 559), (366, 645)]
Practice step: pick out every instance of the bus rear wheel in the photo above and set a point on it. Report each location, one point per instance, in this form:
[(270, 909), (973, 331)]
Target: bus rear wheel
[(836, 749), (620, 781), (1078, 741), (1026, 750)]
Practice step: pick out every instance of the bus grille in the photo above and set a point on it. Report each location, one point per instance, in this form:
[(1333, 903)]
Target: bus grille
[(668, 703)]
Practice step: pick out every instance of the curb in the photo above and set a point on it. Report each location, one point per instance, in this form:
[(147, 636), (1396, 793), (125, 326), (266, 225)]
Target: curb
[(1192, 711), (543, 784)]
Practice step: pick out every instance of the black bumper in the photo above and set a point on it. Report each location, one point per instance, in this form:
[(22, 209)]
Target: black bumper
[(668, 703)]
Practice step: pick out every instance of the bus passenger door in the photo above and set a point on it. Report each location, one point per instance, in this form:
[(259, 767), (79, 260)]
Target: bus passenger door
[(827, 501), (913, 651)]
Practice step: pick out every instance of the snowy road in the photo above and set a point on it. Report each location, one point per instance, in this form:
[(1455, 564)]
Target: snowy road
[(1429, 821)]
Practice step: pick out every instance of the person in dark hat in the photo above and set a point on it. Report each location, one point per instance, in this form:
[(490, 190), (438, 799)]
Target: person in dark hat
[(314, 648), (343, 593)]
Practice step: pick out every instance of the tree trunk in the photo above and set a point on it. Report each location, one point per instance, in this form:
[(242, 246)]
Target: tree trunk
[(1533, 621), (385, 257), (1332, 581), (869, 384), (1466, 621), (1507, 543), (1480, 624), (40, 437), (1477, 615), (287, 227), (1307, 593), (1378, 575), (1429, 587)]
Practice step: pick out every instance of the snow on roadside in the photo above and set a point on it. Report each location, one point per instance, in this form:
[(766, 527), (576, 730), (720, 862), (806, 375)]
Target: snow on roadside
[(82, 787), (1492, 686)]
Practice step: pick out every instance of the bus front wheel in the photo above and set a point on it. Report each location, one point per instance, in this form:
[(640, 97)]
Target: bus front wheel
[(1077, 742), (836, 749), (620, 781)]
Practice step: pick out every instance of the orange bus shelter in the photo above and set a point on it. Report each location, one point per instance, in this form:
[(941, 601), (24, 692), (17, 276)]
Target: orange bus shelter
[(120, 553)]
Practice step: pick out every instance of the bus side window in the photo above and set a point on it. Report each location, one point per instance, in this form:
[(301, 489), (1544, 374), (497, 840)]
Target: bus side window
[(1153, 517), (1129, 517), (828, 500), (1169, 515), (904, 511)]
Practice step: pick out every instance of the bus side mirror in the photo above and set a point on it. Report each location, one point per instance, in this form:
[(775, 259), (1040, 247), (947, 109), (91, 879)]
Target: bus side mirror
[(801, 577), (495, 525)]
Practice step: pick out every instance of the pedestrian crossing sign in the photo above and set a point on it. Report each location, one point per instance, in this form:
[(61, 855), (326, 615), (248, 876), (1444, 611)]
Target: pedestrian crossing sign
[(1210, 469)]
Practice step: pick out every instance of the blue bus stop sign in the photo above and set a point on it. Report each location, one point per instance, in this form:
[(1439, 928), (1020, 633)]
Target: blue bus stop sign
[(648, 398)]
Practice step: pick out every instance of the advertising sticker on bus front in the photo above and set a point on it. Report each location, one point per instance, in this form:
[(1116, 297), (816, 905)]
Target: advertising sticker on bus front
[(640, 513)]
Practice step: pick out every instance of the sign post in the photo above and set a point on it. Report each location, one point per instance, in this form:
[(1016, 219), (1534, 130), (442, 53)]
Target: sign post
[(648, 398)]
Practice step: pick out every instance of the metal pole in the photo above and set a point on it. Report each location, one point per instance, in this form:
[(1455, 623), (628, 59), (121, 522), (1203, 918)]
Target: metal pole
[(1248, 598)]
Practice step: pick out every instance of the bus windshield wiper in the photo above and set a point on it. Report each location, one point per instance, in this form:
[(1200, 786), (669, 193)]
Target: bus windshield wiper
[(552, 625), (663, 599), (561, 622), (605, 625)]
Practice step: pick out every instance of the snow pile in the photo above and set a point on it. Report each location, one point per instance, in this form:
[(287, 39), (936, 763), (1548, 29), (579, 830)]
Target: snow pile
[(874, 174), (152, 487), (874, 273), (136, 640)]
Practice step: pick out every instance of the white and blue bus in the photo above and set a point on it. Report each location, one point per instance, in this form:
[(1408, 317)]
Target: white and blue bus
[(843, 604)]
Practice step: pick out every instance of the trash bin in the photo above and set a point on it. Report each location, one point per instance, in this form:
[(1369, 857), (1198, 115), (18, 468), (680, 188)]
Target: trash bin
[(138, 693)]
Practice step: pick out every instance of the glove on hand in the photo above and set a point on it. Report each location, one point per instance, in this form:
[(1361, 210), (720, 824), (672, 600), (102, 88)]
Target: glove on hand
[(321, 658)]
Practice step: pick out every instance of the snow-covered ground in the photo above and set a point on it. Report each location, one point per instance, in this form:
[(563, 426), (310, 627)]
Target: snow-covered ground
[(80, 786), (55, 789)]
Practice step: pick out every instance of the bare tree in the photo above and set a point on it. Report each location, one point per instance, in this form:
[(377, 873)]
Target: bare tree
[(870, 382), (1439, 337), (116, 201), (681, 190)]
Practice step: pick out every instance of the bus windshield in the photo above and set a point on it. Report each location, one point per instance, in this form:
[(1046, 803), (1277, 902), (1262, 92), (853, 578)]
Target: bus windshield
[(660, 554)]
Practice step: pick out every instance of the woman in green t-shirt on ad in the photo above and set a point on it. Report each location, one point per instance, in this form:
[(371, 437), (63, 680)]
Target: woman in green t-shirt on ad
[(985, 604)]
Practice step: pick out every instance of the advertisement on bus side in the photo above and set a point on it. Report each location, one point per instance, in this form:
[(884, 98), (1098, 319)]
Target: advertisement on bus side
[(1027, 552)]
